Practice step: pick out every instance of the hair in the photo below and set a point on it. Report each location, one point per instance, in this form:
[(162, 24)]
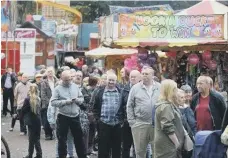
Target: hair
[(33, 93), (150, 68), (50, 69), (211, 82), (168, 87), (92, 81), (43, 71), (186, 88)]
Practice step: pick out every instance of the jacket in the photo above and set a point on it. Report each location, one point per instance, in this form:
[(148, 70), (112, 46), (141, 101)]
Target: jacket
[(140, 104), (124, 98), (3, 80), (60, 96), (217, 107), (167, 121), (189, 121), (31, 118), (213, 147), (20, 93), (97, 104), (52, 113), (45, 92)]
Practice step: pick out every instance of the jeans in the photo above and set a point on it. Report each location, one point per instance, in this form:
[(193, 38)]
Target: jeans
[(148, 151), (64, 124), (109, 140), (127, 140), (34, 140), (8, 94), (21, 120), (70, 145), (47, 129)]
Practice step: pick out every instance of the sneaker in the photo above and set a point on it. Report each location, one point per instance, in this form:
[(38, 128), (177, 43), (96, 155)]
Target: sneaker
[(22, 133), (11, 129)]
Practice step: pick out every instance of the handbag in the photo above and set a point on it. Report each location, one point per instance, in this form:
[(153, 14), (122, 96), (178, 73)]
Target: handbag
[(188, 144), (224, 136), (84, 121)]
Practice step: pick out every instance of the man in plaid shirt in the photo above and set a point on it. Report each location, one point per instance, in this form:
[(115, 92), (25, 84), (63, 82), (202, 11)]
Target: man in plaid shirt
[(109, 115)]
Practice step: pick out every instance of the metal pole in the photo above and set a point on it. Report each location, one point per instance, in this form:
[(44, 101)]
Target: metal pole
[(14, 52)]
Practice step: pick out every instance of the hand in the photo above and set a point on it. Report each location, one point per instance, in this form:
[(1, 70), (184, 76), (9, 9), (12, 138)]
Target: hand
[(177, 146), (68, 101), (52, 126)]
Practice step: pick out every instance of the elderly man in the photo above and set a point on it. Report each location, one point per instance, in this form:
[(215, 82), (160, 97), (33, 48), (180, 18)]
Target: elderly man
[(85, 71), (109, 114), (47, 87), (20, 93), (7, 84), (67, 97), (208, 106), (135, 77), (141, 101)]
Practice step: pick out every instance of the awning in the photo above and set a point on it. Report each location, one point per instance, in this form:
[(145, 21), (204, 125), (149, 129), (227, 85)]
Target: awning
[(103, 51), (169, 43)]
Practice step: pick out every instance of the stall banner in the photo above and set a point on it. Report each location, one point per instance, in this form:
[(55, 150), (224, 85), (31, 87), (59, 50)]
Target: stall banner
[(127, 10), (171, 26), (5, 8)]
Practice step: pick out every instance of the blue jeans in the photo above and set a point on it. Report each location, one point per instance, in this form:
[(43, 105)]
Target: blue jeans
[(70, 145), (148, 151)]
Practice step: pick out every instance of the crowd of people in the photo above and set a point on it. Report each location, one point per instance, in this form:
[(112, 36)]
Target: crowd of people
[(138, 116)]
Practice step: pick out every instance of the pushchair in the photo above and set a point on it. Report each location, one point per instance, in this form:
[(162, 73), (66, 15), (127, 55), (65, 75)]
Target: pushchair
[(208, 145)]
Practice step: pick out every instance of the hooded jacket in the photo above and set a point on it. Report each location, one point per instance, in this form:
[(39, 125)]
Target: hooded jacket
[(60, 96)]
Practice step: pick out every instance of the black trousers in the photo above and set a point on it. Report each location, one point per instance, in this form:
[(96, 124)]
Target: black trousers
[(65, 123), (127, 139), (109, 141), (34, 140), (21, 120), (47, 129), (92, 131), (8, 94)]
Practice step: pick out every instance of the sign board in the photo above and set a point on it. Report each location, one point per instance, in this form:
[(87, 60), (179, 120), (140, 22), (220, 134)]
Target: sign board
[(128, 10), (171, 26), (27, 39), (49, 26), (67, 29)]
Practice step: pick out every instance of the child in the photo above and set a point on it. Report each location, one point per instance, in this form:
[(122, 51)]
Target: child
[(31, 114)]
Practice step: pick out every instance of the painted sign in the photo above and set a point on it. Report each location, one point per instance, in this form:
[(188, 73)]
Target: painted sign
[(49, 26), (5, 7), (128, 10), (171, 26), (67, 29)]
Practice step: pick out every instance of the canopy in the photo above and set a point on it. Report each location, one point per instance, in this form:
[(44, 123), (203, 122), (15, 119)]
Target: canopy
[(205, 7), (103, 51), (169, 43)]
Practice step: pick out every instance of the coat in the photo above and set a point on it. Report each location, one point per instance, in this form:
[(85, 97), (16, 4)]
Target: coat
[(217, 106), (167, 121), (3, 80), (46, 93)]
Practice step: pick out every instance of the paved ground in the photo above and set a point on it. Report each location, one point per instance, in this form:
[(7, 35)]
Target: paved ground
[(19, 144)]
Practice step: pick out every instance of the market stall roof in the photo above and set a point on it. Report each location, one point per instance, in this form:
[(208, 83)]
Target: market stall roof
[(103, 51), (31, 25), (205, 7), (169, 42)]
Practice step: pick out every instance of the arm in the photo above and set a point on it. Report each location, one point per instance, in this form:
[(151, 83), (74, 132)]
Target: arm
[(25, 108), (174, 139), (43, 94), (96, 106), (130, 107), (225, 120), (51, 114), (55, 101), (2, 81), (191, 120), (80, 98)]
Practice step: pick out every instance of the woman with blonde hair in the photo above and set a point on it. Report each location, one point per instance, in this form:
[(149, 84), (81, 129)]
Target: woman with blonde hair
[(31, 115), (169, 131)]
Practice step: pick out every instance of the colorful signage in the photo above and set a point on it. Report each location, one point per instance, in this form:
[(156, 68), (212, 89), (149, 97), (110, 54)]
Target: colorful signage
[(128, 10), (171, 26), (5, 7)]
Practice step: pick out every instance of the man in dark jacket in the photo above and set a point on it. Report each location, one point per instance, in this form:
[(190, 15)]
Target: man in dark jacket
[(208, 105), (109, 114), (7, 84), (127, 135)]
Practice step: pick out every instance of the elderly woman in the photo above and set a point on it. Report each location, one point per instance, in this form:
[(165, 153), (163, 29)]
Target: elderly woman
[(188, 94), (169, 131)]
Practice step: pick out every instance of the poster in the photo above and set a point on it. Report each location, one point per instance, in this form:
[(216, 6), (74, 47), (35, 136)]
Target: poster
[(5, 8), (151, 26), (128, 10)]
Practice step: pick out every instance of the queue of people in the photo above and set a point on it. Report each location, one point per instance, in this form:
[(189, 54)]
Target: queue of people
[(154, 119)]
